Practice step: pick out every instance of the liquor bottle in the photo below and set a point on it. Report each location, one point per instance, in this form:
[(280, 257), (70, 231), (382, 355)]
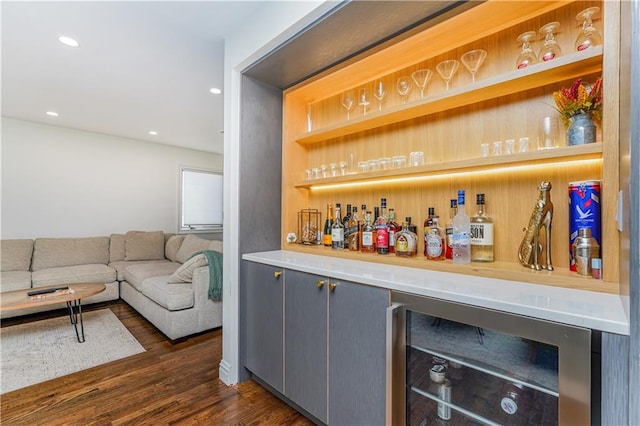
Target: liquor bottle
[(367, 244), (394, 228), (461, 233), (435, 241), (382, 229), (376, 214), (481, 234), (449, 229), (412, 227), (328, 223), (353, 243), (337, 231), (406, 241), (427, 227), (345, 223), (363, 212)]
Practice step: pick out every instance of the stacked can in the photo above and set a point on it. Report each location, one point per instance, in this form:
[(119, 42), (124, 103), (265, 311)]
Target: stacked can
[(584, 212)]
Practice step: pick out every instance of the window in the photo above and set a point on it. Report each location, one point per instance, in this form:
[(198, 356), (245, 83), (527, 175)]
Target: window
[(200, 200)]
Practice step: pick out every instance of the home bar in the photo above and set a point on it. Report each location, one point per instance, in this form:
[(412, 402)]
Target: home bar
[(476, 103)]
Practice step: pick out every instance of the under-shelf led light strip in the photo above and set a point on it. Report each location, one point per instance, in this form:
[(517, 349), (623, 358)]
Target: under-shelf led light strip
[(449, 174)]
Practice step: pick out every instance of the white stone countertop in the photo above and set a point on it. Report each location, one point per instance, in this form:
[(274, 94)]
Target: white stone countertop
[(597, 311)]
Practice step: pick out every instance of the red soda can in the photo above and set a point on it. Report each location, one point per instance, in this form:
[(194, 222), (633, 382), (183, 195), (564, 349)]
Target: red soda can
[(584, 212)]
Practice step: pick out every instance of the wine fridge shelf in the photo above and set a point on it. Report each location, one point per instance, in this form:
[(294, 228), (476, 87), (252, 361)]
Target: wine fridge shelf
[(469, 414), (539, 157), (572, 65)]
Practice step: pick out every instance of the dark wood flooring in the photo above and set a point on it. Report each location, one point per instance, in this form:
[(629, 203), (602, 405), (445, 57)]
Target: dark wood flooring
[(168, 384)]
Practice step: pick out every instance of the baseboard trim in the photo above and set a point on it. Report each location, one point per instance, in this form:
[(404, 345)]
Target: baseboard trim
[(224, 372)]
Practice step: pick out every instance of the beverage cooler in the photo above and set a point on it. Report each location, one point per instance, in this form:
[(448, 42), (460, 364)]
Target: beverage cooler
[(454, 364)]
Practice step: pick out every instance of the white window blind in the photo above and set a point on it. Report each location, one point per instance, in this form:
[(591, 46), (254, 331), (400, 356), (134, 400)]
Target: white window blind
[(201, 200)]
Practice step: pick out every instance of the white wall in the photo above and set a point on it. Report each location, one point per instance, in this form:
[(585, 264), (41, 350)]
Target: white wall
[(60, 182)]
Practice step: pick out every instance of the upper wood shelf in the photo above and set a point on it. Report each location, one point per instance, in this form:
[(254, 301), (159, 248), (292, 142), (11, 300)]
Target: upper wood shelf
[(566, 67)]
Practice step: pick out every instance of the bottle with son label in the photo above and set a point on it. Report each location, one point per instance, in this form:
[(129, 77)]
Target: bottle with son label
[(481, 234)]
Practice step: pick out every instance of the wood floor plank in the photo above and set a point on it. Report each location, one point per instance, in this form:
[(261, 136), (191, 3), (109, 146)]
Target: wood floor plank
[(168, 384)]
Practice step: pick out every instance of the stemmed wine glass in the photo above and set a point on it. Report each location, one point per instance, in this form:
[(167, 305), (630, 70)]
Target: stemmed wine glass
[(379, 92), (363, 100), (404, 88), (550, 49), (472, 60), (447, 70), (348, 99), (526, 56), (421, 78), (589, 36)]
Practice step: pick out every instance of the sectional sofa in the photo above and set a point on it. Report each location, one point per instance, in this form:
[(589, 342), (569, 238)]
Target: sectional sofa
[(162, 276)]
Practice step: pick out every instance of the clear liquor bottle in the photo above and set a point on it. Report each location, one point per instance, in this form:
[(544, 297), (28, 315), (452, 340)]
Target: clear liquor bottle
[(426, 228), (394, 228), (435, 240), (449, 229), (382, 229), (406, 241), (353, 242), (328, 223), (461, 233), (481, 234), (367, 243), (337, 231)]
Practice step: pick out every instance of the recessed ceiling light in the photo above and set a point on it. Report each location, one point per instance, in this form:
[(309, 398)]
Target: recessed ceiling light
[(153, 133), (215, 90), (52, 113), (68, 41)]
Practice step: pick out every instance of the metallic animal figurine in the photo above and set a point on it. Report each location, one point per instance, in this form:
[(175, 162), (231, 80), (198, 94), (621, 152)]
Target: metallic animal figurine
[(530, 247)]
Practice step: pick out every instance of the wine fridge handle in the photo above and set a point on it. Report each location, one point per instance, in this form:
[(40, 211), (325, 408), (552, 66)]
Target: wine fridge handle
[(392, 313)]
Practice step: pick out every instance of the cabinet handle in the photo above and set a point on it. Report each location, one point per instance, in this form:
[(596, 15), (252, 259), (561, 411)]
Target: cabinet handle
[(277, 274), (332, 286), (320, 284)]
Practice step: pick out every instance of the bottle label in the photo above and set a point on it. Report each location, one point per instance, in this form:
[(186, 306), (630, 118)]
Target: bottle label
[(482, 234), (367, 238), (402, 245), (449, 232), (382, 238), (326, 239), (392, 238), (337, 235), (434, 245), (461, 241)]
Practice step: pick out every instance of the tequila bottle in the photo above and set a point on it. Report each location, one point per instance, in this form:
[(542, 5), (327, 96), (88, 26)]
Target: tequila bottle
[(481, 234)]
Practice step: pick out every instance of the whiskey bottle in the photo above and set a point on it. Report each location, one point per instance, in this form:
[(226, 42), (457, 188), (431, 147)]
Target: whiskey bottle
[(412, 227), (367, 244), (461, 233), (406, 241), (393, 230), (353, 242), (345, 223), (481, 234), (426, 227), (435, 241), (363, 211), (382, 229), (328, 223), (337, 231), (449, 229)]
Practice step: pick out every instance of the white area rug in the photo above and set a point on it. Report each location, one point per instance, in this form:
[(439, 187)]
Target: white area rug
[(39, 351)]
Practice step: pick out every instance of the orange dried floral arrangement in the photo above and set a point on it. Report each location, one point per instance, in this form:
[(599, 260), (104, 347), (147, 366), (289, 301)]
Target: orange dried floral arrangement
[(579, 99)]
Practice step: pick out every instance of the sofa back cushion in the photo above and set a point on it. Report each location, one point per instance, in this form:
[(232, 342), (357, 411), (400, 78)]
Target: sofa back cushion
[(116, 248), (16, 255), (141, 245), (57, 252), (172, 246), (193, 243)]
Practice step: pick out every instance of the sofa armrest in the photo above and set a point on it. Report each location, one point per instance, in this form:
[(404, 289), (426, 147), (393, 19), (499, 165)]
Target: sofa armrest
[(200, 285)]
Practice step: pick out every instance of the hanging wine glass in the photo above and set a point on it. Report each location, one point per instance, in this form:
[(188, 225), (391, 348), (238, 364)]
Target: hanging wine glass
[(363, 100), (447, 69), (421, 78), (404, 88), (472, 60), (589, 36), (379, 92), (526, 56), (348, 99), (550, 49)]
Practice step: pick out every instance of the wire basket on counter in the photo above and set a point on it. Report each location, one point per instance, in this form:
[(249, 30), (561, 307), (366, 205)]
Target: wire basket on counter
[(309, 231)]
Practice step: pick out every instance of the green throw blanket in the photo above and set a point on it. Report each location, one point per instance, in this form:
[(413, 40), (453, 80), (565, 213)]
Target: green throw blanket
[(214, 259)]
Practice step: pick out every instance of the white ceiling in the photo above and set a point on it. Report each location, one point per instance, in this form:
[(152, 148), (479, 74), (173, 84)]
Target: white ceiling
[(140, 66)]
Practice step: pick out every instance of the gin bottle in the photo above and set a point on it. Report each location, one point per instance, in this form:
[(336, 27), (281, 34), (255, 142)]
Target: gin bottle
[(461, 233), (481, 234)]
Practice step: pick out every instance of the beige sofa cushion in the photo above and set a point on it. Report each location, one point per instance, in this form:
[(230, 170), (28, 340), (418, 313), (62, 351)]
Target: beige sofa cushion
[(136, 274), (116, 247), (172, 246), (121, 265), (193, 243), (173, 297), (15, 280), (91, 273), (57, 252), (184, 274), (15, 255), (140, 245)]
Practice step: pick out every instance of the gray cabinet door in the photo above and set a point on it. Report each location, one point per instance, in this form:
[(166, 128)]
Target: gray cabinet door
[(357, 354), (264, 323), (306, 342)]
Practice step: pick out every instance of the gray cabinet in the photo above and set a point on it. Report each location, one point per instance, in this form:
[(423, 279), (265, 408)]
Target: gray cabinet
[(264, 323)]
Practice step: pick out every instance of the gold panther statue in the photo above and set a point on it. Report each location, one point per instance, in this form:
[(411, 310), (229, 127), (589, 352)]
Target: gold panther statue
[(530, 247)]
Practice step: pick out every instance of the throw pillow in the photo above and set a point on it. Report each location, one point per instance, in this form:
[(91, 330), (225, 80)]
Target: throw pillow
[(184, 274), (172, 246), (144, 245), (190, 245)]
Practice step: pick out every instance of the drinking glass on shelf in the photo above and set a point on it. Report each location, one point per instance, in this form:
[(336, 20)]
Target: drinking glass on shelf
[(421, 78), (526, 56), (404, 88), (447, 69), (363, 100), (379, 92), (348, 99), (472, 60), (550, 49), (589, 36)]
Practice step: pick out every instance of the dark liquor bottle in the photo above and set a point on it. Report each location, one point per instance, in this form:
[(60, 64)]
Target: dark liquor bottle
[(368, 235), (427, 227), (382, 229), (353, 243), (449, 229), (412, 226), (345, 223), (337, 231), (393, 229), (328, 223)]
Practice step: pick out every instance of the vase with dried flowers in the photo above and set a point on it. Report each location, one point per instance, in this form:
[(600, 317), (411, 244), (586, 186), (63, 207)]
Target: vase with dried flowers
[(578, 105)]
